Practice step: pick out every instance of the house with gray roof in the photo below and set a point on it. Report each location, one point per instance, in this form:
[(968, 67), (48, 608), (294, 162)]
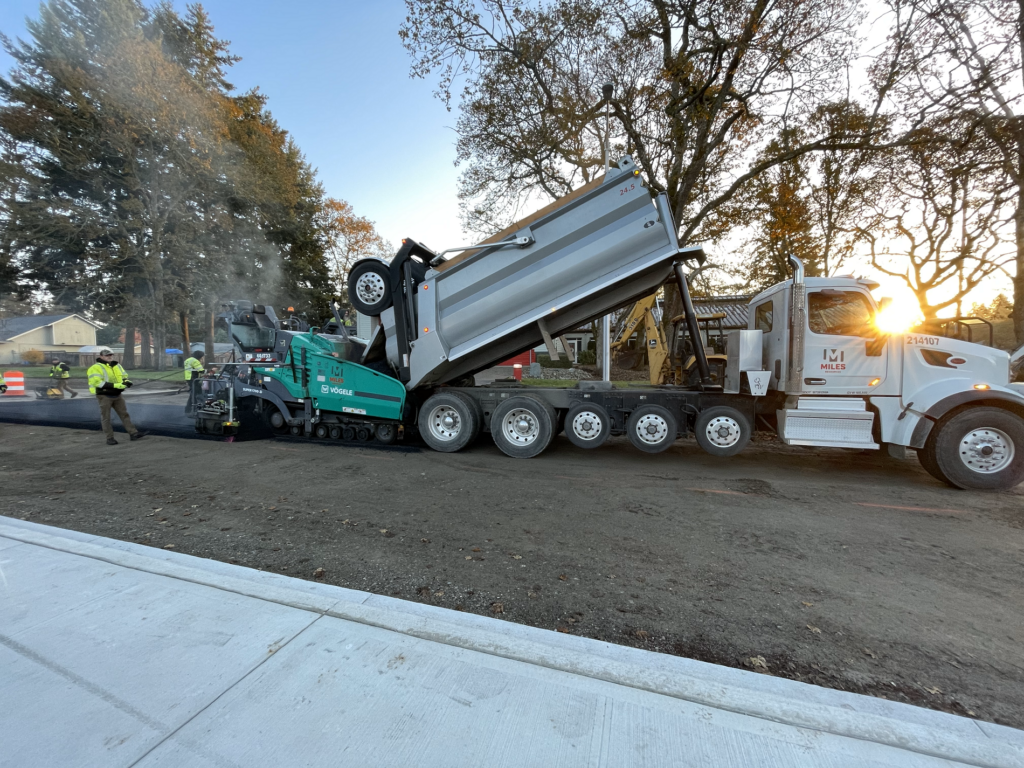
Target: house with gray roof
[(54, 335)]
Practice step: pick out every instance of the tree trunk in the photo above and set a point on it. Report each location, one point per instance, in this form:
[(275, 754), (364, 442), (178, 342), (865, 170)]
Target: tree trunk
[(159, 353), (146, 356), (159, 326), (210, 331), (186, 343), (128, 358)]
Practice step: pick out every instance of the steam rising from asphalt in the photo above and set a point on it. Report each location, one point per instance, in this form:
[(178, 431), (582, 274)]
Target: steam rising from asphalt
[(248, 265)]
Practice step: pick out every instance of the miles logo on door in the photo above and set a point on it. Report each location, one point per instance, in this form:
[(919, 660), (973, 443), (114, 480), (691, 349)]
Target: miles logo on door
[(834, 360)]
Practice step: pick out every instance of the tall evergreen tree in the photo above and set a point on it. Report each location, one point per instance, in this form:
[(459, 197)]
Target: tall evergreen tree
[(147, 190)]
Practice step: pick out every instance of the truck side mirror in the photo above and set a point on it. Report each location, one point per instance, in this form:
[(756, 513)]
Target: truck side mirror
[(873, 346)]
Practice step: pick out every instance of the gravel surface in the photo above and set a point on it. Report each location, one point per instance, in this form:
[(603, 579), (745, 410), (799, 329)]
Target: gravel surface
[(844, 569)]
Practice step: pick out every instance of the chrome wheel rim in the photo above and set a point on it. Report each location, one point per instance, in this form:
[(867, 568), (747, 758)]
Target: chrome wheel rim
[(723, 432), (587, 425), (445, 423), (986, 450), (651, 429), (370, 287), (521, 426)]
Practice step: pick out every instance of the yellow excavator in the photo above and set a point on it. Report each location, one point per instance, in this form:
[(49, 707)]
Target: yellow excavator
[(675, 365)]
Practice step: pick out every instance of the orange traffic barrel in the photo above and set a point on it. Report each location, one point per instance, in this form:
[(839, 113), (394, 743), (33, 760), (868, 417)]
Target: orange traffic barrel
[(15, 381)]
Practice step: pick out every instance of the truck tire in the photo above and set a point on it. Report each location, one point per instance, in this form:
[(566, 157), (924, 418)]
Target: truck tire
[(722, 431), (981, 448), (522, 427), (588, 425), (652, 428), (448, 422), (926, 456), (369, 287)]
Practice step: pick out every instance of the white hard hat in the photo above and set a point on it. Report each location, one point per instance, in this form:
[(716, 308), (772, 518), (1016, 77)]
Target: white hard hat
[(105, 351)]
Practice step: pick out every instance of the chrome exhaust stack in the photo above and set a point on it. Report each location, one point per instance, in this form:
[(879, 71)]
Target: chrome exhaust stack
[(797, 326)]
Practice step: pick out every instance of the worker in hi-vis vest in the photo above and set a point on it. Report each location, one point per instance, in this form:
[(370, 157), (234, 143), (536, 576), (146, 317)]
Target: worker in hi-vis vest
[(61, 375), (107, 380), (193, 373), (3, 384)]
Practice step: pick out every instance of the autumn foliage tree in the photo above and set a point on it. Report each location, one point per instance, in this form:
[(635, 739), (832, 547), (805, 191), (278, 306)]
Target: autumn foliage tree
[(348, 238)]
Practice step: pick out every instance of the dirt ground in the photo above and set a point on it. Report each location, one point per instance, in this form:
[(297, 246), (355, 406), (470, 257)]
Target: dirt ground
[(849, 570)]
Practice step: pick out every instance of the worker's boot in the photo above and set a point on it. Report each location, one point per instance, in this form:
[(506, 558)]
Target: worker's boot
[(111, 441), (74, 395), (138, 436)]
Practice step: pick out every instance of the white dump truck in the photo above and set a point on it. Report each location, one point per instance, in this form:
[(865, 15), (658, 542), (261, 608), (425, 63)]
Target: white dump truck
[(812, 366)]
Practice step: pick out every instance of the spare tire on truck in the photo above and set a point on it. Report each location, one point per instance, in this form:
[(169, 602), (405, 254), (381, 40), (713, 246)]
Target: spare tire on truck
[(369, 286)]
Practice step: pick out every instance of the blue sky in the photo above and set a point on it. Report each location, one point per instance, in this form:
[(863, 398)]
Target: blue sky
[(337, 79)]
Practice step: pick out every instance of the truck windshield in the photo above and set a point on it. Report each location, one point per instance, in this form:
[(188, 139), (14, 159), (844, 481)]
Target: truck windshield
[(839, 313)]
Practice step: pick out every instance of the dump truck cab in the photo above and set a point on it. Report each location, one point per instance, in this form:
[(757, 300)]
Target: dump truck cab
[(844, 353), (837, 380)]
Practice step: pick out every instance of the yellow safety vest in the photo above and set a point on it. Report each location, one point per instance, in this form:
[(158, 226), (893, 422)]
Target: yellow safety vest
[(193, 368), (57, 372), (101, 373)]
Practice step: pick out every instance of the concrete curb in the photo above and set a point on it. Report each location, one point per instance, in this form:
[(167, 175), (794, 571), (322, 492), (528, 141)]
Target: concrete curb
[(786, 702)]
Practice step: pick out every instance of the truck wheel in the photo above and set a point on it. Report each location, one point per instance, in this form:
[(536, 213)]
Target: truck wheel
[(386, 433), (588, 425), (652, 428), (322, 431), (448, 422), (369, 287), (522, 427), (981, 448), (722, 431), (335, 433)]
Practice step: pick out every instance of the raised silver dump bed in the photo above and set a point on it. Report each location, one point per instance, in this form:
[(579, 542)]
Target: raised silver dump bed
[(599, 249)]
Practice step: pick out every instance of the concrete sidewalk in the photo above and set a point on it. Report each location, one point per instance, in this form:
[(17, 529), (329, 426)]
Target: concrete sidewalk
[(116, 654)]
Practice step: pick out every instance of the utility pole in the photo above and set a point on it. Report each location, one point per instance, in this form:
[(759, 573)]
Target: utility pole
[(606, 323)]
